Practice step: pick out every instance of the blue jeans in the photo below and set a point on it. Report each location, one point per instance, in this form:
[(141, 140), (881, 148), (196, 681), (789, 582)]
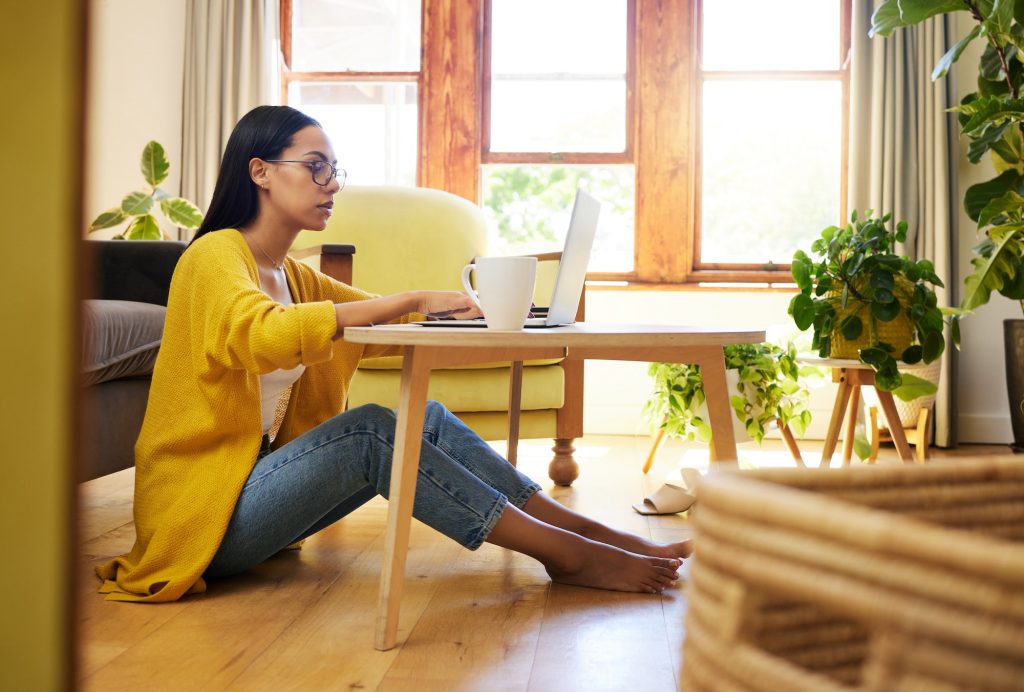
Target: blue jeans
[(316, 479)]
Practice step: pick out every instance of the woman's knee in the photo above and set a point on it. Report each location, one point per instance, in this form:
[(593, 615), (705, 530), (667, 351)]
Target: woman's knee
[(373, 413)]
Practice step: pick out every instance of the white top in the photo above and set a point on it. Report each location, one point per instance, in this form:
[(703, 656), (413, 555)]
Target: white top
[(272, 386)]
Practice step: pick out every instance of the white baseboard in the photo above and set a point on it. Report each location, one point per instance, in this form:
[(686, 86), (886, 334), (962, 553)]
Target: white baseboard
[(984, 429)]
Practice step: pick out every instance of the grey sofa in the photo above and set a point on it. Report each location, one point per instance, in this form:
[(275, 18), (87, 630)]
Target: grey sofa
[(122, 322)]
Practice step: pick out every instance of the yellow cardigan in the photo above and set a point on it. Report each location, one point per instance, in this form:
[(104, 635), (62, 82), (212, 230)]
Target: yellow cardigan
[(202, 429)]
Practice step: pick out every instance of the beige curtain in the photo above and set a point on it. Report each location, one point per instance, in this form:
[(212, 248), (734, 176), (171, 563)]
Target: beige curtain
[(901, 154), (230, 68)]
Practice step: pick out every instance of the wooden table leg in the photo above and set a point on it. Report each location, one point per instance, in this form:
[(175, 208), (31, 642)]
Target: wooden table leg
[(659, 442), (841, 376), (515, 401), (851, 423), (892, 417), (402, 492), (787, 435), (716, 395)]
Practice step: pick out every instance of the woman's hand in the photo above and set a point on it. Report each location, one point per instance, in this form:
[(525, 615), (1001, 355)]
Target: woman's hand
[(444, 304)]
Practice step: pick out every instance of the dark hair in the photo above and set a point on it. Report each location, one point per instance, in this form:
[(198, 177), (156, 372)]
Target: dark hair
[(264, 132)]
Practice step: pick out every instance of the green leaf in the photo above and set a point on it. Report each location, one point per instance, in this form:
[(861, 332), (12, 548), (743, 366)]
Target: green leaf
[(932, 347), (998, 266), (108, 219), (990, 138), (953, 54), (154, 163), (885, 312), (874, 356), (911, 355), (851, 327), (143, 227), (980, 195), (801, 307), (888, 379), (137, 203), (994, 110), (893, 14), (1002, 16), (181, 212), (801, 271), (913, 387)]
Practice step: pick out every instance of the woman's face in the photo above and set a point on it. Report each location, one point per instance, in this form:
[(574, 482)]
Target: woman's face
[(291, 192)]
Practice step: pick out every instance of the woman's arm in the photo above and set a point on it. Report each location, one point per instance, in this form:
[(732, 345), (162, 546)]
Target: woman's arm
[(359, 313)]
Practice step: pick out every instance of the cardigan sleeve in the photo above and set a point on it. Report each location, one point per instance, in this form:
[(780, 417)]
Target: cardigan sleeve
[(338, 292), (236, 325)]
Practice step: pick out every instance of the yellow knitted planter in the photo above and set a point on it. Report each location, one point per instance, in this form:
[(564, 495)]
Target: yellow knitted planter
[(898, 332)]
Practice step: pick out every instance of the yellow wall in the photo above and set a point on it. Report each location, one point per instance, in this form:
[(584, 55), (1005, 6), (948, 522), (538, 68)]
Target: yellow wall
[(41, 55)]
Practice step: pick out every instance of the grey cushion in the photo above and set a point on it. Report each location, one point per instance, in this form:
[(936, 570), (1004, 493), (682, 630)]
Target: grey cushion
[(121, 339)]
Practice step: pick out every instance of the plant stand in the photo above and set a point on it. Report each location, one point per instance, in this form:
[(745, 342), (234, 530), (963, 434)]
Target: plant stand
[(787, 435), (851, 375)]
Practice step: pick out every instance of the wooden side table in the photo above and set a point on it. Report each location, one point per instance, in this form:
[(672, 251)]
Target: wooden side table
[(851, 375)]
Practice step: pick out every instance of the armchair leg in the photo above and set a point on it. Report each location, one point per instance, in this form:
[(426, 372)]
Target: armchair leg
[(563, 469)]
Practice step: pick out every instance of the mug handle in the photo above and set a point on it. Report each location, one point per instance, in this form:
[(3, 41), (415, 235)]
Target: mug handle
[(466, 285)]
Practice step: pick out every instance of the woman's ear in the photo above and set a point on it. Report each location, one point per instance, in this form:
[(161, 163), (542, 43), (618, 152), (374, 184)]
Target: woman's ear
[(259, 171)]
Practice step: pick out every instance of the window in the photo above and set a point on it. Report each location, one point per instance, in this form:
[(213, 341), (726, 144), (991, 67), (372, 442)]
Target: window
[(771, 130), (354, 65), (712, 130), (556, 107)]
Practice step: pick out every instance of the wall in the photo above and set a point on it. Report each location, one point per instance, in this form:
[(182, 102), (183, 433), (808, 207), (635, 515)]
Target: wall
[(983, 406), (135, 77), (41, 53)]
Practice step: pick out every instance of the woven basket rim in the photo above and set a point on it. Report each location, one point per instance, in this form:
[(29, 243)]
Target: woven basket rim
[(880, 530)]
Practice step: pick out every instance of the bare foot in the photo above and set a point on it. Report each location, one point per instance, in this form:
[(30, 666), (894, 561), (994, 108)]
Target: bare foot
[(603, 566), (635, 544)]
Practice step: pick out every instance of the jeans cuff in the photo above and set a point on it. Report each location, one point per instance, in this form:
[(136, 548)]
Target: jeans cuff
[(524, 495), (489, 521)]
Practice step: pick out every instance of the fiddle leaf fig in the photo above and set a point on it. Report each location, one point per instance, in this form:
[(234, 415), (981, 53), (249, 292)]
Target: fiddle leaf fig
[(992, 118)]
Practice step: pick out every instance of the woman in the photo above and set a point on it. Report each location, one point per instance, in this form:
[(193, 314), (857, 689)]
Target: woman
[(222, 483)]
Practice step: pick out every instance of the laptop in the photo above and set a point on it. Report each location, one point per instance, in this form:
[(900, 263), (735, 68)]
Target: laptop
[(572, 272)]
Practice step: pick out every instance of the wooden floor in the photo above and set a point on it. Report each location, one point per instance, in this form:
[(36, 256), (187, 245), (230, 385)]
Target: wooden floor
[(485, 620)]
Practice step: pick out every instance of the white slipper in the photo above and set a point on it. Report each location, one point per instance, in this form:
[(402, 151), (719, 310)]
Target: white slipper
[(672, 497)]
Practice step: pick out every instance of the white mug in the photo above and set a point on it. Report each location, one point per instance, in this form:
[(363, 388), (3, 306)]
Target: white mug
[(505, 289)]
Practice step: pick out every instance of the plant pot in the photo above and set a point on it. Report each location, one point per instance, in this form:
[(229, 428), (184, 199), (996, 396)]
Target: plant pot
[(897, 332), (1013, 342)]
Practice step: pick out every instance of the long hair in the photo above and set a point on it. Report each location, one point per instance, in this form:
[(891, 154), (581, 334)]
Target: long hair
[(264, 132)]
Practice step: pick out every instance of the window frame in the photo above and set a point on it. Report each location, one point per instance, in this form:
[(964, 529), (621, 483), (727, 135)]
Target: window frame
[(663, 138)]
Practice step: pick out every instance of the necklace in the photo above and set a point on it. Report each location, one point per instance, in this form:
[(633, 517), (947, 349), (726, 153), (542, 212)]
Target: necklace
[(277, 265)]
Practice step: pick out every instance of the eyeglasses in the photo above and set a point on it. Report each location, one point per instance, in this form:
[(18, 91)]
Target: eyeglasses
[(323, 172)]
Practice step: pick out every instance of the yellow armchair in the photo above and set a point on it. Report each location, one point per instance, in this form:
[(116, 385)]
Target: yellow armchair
[(419, 238)]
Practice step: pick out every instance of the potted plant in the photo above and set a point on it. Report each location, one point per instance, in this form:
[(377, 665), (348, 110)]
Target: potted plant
[(138, 206), (993, 119), (865, 302), (765, 379)]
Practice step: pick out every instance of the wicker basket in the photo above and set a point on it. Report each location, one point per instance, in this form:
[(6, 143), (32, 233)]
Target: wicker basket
[(898, 332), (871, 578)]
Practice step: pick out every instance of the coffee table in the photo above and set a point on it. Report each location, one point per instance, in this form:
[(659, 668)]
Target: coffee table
[(426, 348)]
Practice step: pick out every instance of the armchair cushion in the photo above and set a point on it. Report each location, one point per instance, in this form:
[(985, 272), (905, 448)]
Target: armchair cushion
[(465, 390), (121, 339)]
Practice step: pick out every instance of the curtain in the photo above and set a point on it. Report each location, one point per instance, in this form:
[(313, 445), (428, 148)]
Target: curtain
[(901, 154), (230, 68)]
